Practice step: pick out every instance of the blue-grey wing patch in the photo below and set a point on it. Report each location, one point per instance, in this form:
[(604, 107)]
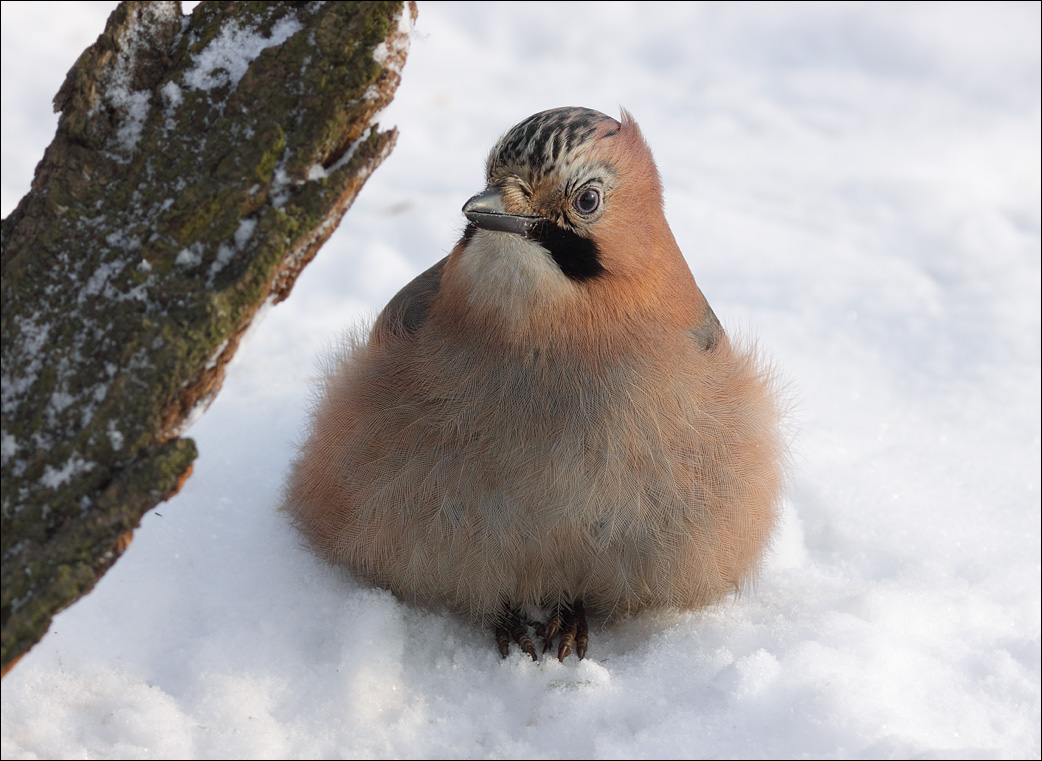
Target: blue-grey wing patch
[(707, 334)]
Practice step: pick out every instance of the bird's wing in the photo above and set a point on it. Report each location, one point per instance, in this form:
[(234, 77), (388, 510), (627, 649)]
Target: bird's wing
[(407, 311), (708, 332)]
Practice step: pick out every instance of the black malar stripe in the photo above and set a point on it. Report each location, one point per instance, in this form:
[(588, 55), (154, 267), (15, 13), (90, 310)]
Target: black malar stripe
[(578, 257)]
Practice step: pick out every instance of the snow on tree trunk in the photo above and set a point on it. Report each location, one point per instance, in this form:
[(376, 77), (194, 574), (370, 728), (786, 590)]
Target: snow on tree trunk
[(199, 164)]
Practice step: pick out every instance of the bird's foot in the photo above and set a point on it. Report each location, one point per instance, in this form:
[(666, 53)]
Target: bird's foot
[(567, 625), (568, 621), (513, 625)]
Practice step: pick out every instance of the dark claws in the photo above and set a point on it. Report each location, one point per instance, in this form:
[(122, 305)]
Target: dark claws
[(502, 640), (582, 633), (525, 642), (565, 648), (514, 626), (553, 626), (567, 621), (575, 633)]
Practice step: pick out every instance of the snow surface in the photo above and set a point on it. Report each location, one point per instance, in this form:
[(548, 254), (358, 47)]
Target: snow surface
[(118, 94), (225, 60), (858, 187)]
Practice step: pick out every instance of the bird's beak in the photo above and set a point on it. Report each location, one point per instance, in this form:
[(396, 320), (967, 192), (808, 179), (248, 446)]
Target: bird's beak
[(486, 211)]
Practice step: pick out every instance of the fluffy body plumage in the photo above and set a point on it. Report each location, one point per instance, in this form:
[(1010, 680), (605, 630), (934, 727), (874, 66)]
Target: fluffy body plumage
[(553, 413)]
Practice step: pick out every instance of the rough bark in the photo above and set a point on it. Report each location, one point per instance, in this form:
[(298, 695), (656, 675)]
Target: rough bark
[(199, 164)]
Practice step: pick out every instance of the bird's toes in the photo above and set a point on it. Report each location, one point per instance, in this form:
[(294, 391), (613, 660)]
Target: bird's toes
[(575, 632), (582, 632), (513, 626), (503, 640), (525, 643), (564, 648), (567, 625), (548, 631)]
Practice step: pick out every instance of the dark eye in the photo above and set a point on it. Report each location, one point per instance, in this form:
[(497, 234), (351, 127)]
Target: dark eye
[(588, 201)]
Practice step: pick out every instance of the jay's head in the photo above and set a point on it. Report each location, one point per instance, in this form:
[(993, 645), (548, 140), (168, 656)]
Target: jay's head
[(570, 227)]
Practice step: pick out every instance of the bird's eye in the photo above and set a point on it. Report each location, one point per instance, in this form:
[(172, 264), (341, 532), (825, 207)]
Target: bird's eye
[(588, 201)]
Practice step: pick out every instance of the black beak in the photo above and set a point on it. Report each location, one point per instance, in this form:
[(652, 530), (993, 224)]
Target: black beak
[(486, 211)]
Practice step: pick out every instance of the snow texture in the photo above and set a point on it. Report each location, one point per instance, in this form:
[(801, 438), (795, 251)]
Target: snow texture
[(118, 94), (858, 187), (399, 44), (223, 62)]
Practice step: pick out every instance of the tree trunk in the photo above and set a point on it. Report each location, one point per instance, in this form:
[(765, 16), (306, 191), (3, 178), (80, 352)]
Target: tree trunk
[(199, 163)]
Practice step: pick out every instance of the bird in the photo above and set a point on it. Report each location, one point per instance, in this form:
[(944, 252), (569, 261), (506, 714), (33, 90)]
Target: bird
[(550, 423)]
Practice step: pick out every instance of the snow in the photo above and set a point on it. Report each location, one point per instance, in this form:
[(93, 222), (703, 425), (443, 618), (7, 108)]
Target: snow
[(8, 446), (190, 257), (115, 436), (99, 281), (36, 336), (857, 187), (118, 94), (225, 60), (399, 44), (74, 466), (171, 93)]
